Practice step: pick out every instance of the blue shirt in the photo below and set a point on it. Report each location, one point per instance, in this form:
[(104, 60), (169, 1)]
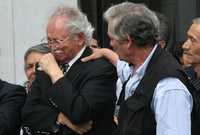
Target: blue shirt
[(171, 103)]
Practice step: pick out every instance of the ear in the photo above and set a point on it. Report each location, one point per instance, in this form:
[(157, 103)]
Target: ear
[(130, 41), (81, 39)]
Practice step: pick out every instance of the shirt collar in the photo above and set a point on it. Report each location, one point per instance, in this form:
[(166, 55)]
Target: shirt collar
[(71, 62)]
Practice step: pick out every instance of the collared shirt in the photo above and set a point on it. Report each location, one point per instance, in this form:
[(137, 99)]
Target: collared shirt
[(171, 103), (71, 62)]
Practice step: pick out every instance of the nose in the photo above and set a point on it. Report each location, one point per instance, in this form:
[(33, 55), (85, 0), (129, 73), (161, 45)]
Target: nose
[(186, 45), (33, 69), (54, 47)]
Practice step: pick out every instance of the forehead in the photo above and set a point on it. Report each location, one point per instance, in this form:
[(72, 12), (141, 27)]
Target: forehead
[(194, 30), (34, 56), (57, 25)]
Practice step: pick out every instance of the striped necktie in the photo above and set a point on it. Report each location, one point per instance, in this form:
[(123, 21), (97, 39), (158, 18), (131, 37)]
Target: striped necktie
[(64, 68)]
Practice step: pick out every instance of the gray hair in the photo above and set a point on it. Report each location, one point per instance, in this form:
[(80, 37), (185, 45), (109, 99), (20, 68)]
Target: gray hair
[(41, 48), (143, 24), (78, 22), (164, 27)]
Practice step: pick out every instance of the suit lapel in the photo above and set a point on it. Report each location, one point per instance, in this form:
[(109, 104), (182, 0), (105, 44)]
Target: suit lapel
[(78, 66)]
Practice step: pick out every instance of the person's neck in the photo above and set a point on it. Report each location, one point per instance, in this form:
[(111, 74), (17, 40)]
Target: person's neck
[(139, 56), (197, 69)]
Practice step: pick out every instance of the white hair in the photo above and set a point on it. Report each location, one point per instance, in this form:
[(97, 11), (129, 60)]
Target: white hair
[(78, 21)]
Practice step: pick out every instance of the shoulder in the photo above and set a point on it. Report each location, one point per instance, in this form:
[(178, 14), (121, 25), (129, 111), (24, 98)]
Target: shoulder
[(8, 87), (171, 85), (101, 62), (171, 93), (98, 64), (99, 68)]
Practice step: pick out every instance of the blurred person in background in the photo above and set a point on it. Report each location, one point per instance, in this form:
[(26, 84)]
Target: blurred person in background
[(164, 30), (12, 98), (31, 58)]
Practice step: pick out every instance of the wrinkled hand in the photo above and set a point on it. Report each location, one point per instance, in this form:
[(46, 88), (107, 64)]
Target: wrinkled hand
[(115, 120), (80, 129), (103, 52), (50, 66), (97, 53)]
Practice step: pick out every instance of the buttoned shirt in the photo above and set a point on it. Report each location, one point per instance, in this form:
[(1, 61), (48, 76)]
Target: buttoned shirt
[(171, 102)]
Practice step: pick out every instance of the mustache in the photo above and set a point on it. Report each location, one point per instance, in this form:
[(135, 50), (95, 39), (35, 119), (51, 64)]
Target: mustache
[(53, 50)]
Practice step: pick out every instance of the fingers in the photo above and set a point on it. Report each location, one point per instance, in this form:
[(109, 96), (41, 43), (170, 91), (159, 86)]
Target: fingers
[(87, 126), (65, 121), (77, 129), (83, 128), (88, 58), (80, 129)]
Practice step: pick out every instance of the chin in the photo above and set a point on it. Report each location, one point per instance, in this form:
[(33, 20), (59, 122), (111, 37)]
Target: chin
[(62, 60)]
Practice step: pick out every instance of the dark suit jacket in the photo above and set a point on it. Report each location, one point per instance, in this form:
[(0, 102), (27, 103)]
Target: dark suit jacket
[(86, 92), (12, 98)]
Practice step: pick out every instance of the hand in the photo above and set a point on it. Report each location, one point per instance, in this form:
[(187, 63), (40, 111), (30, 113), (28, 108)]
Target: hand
[(50, 66), (103, 52), (97, 53), (80, 129), (115, 120)]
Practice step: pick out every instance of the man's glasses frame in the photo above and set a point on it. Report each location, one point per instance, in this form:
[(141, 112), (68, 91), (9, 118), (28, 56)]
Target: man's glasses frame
[(49, 42)]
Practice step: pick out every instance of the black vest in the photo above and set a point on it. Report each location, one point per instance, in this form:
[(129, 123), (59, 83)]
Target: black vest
[(136, 116)]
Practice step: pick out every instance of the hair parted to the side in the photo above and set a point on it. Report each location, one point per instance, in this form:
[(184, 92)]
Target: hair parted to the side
[(134, 19), (40, 48), (77, 23)]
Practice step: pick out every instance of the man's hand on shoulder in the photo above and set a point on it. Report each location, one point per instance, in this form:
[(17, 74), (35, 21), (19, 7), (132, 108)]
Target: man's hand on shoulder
[(103, 52)]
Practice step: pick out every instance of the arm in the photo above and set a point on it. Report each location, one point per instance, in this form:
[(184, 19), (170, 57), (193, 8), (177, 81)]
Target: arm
[(68, 86), (36, 112), (84, 95), (172, 106), (104, 52), (50, 66), (123, 68), (12, 99), (80, 128)]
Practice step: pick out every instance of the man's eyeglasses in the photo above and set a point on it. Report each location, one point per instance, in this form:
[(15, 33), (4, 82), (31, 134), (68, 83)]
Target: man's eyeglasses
[(49, 42)]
